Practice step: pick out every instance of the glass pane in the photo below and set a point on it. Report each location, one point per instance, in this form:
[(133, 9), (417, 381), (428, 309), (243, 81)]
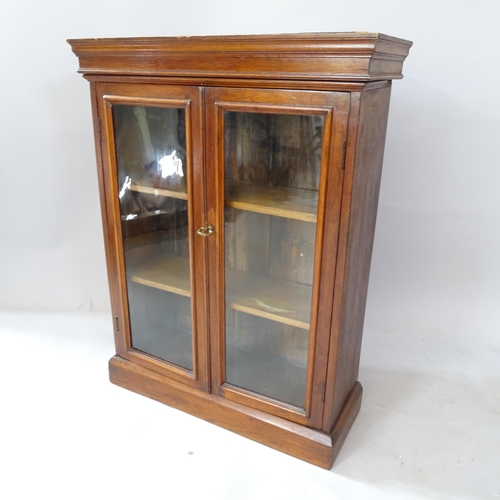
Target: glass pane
[(151, 159), (272, 168)]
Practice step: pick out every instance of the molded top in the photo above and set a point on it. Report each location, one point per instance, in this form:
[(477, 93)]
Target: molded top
[(305, 56)]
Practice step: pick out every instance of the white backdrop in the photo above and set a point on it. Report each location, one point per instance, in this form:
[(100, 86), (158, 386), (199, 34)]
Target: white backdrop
[(428, 426), (437, 247)]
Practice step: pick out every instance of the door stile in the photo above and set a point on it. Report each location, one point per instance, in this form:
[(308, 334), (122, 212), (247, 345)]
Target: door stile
[(116, 310), (215, 243), (327, 248), (116, 265), (312, 389), (200, 260), (197, 247)]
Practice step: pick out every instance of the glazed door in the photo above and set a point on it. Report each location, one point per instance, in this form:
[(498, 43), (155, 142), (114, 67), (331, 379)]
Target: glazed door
[(153, 178), (277, 161)]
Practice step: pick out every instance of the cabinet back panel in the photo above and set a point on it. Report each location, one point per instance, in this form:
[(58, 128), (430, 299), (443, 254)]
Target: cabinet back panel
[(270, 246), (274, 149)]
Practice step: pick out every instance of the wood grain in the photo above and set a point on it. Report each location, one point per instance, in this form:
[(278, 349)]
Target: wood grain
[(312, 56)]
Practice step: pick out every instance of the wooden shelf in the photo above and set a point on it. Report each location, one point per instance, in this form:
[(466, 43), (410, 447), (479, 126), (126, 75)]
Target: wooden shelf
[(263, 296), (270, 298), (168, 273), (172, 191), (292, 203)]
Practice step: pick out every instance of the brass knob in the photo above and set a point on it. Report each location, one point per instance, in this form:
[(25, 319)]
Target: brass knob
[(205, 231)]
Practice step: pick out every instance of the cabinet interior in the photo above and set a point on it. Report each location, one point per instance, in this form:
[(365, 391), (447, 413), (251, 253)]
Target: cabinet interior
[(271, 176)]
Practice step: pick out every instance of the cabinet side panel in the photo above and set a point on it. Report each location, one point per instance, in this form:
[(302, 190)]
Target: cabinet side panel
[(360, 212)]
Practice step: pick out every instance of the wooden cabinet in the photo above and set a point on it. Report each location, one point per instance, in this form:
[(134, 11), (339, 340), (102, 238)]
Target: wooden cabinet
[(239, 179)]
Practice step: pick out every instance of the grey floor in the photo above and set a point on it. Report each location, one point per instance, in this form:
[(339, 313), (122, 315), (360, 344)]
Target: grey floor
[(429, 426)]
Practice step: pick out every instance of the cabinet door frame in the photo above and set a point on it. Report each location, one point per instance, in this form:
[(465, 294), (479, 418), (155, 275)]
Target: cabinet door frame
[(190, 99), (334, 107)]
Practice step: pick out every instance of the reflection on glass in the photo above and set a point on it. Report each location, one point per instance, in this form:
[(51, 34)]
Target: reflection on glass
[(272, 175), (150, 145)]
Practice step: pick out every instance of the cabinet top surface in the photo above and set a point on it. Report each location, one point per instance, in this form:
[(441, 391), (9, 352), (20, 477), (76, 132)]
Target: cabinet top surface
[(356, 56), (234, 41)]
